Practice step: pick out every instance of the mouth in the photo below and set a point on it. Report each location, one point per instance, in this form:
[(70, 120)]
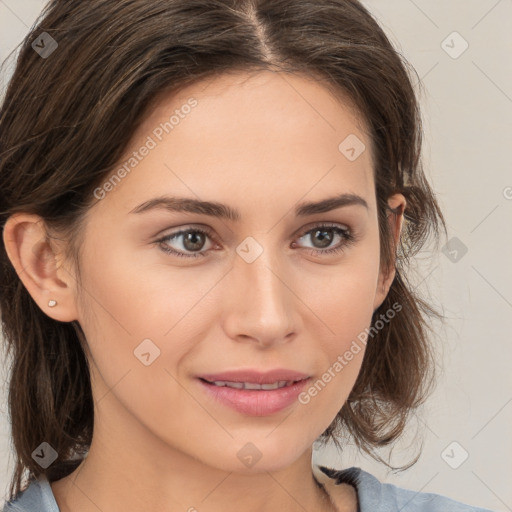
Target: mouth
[(254, 398)]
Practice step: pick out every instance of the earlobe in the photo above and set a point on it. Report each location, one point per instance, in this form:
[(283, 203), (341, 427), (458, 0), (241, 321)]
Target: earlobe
[(33, 257), (395, 219)]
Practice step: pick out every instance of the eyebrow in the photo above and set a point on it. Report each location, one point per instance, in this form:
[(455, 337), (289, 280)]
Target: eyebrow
[(214, 209)]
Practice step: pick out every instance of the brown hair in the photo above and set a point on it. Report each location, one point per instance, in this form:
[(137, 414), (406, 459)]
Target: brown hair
[(66, 120)]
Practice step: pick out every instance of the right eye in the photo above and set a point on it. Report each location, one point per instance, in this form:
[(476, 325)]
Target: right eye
[(192, 240)]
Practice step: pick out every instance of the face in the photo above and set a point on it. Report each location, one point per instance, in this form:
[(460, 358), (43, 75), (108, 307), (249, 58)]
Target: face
[(172, 295)]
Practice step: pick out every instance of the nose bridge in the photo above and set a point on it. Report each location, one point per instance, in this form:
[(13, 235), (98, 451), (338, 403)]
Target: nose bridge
[(262, 302)]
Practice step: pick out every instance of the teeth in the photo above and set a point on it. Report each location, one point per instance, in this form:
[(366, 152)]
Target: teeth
[(251, 385), (276, 385)]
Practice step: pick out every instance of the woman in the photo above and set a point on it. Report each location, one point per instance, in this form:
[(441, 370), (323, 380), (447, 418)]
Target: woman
[(207, 209)]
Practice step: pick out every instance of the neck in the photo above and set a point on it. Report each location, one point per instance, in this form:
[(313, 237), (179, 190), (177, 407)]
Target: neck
[(128, 468)]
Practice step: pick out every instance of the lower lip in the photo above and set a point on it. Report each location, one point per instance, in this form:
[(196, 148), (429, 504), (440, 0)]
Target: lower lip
[(256, 402)]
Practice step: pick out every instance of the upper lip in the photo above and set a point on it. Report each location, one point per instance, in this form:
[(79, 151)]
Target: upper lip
[(255, 376)]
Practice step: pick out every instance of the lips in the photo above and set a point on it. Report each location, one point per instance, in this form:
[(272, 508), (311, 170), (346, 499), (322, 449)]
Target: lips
[(253, 392)]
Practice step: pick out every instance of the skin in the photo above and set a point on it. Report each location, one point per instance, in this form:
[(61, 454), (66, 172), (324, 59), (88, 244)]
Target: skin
[(260, 143)]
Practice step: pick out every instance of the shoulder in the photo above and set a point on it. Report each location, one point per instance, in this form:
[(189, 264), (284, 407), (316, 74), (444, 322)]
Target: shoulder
[(374, 496), (37, 497)]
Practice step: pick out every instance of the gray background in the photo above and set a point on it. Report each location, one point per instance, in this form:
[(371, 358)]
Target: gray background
[(467, 107)]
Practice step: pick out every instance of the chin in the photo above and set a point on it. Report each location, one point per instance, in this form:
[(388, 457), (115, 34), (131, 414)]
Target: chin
[(268, 452)]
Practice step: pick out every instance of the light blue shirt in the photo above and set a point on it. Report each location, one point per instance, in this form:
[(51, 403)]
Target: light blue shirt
[(373, 496)]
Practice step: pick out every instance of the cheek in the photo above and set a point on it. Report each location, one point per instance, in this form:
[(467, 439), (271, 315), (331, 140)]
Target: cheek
[(133, 293), (343, 295), (342, 300), (125, 317), (128, 300), (345, 312)]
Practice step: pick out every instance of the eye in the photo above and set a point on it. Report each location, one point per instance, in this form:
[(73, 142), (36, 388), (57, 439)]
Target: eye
[(192, 240), (325, 234)]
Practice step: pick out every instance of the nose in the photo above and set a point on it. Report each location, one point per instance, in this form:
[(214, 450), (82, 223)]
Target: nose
[(260, 305)]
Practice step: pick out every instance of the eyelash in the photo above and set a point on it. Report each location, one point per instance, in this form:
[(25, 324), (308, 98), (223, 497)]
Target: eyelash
[(348, 239)]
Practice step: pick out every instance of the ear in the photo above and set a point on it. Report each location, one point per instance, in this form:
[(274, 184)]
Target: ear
[(398, 203), (40, 268)]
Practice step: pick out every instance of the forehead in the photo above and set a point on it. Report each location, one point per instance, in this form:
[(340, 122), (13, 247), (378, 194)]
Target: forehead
[(264, 101), (257, 135)]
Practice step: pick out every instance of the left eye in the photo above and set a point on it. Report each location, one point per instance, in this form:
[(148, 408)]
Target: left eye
[(193, 240), (326, 234)]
